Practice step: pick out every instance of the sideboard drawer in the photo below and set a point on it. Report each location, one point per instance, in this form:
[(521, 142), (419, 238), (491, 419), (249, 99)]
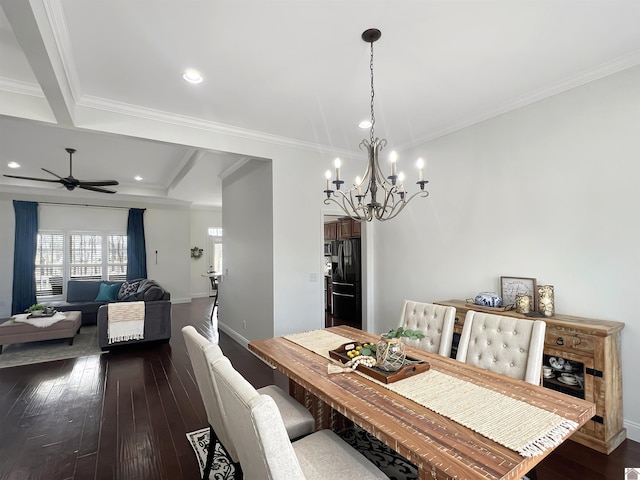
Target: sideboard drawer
[(559, 338)]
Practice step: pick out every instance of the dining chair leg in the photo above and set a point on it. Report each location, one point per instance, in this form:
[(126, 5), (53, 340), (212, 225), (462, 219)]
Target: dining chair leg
[(215, 304), (212, 445)]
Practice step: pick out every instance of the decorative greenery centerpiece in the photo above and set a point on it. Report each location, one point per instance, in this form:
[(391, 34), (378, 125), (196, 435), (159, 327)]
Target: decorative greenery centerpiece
[(36, 309), (401, 332), (390, 351)]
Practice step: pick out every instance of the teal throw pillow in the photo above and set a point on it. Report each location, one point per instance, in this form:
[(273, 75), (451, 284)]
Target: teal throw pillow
[(108, 292)]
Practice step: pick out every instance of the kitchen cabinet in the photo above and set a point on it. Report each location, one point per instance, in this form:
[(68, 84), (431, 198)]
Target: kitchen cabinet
[(342, 229), (592, 347), (345, 228), (331, 231), (356, 229)]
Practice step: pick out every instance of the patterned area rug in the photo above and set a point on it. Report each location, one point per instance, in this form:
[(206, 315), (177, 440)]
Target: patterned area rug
[(392, 464), (85, 343)]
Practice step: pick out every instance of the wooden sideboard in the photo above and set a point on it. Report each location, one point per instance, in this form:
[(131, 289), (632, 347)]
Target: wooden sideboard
[(595, 346)]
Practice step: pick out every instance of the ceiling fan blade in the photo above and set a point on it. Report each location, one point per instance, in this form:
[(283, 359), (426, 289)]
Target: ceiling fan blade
[(99, 183), (33, 178), (54, 174), (95, 189)]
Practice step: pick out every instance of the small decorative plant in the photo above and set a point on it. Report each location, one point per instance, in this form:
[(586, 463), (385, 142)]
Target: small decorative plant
[(36, 306), (402, 332)]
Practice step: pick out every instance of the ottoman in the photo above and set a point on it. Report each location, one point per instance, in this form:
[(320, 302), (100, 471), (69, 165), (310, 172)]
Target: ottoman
[(19, 332)]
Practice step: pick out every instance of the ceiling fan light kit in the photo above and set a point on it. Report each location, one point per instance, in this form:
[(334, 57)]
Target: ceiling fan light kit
[(353, 201), (70, 182)]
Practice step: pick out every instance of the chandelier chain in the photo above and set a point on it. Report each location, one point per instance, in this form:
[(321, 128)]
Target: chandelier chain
[(373, 116)]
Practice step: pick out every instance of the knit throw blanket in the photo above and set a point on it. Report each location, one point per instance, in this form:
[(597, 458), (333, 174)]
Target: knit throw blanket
[(517, 425), (126, 321)]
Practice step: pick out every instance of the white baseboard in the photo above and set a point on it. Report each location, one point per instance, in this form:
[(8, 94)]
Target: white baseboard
[(633, 430), (233, 334), (181, 300), (199, 295)]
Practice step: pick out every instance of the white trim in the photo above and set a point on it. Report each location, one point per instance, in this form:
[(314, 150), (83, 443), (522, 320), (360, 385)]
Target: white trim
[(633, 430), (233, 334)]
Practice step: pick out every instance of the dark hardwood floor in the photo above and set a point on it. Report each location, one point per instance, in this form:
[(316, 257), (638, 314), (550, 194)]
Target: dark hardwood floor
[(124, 414)]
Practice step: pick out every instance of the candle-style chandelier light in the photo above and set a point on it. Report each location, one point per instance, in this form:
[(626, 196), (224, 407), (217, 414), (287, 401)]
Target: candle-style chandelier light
[(353, 201)]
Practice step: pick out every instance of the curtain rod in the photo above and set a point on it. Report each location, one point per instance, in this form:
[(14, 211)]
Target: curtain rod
[(84, 205)]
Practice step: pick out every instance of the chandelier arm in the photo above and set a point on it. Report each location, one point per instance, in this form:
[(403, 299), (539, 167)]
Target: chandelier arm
[(346, 204), (400, 206)]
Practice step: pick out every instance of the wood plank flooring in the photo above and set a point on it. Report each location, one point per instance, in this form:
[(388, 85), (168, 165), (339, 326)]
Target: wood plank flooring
[(123, 415)]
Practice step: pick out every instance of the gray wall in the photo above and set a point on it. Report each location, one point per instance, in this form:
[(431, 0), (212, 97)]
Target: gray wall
[(547, 191), (246, 291)]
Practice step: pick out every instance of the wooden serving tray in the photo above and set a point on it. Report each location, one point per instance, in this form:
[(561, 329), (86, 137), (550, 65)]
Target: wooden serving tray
[(412, 367), (482, 308), (44, 315)]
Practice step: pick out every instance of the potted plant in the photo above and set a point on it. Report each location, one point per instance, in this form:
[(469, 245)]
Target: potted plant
[(36, 310), (390, 353)]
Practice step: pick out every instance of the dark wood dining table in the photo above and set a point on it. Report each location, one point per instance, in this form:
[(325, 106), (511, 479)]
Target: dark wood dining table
[(439, 447)]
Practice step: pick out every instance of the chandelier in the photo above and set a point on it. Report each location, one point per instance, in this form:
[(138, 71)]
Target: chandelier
[(393, 196)]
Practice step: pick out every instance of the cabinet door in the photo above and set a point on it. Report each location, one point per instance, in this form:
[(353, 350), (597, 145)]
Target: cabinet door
[(345, 229), (588, 386), (356, 229), (331, 231)]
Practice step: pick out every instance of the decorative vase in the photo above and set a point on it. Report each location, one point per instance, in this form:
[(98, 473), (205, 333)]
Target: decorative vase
[(390, 354), (545, 300), (488, 299), (523, 303)]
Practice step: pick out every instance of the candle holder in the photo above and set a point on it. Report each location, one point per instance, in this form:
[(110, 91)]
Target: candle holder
[(546, 300), (523, 303)]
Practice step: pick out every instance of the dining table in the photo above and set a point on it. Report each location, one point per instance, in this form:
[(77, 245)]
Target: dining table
[(452, 421)]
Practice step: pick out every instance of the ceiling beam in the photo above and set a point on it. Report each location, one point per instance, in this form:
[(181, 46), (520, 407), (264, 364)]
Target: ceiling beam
[(30, 24)]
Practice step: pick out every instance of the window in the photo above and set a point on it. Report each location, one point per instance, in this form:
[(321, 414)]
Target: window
[(117, 258), (215, 249), (49, 264), (84, 256)]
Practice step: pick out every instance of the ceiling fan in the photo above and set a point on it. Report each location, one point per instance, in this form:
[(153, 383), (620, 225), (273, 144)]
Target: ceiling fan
[(70, 182)]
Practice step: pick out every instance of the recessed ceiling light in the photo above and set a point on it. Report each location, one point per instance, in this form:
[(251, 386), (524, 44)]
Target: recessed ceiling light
[(137, 178), (192, 76), (13, 165), (365, 124)]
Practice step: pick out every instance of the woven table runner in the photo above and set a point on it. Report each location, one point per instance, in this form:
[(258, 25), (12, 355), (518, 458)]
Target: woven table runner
[(318, 341), (515, 424)]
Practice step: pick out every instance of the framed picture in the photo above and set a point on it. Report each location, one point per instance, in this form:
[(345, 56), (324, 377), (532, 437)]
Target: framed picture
[(512, 286)]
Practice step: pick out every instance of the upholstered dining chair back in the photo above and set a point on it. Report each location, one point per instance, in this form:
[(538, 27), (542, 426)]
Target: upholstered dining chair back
[(266, 452), (258, 430), (434, 321), (507, 345), (197, 346)]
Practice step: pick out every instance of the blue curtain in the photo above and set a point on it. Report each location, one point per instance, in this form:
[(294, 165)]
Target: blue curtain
[(24, 256), (136, 249)]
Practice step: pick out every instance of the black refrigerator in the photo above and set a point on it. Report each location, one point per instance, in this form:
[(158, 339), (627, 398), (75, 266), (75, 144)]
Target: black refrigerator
[(346, 276)]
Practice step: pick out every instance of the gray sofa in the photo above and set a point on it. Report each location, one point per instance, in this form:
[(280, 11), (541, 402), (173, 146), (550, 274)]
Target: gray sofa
[(157, 324), (82, 294)]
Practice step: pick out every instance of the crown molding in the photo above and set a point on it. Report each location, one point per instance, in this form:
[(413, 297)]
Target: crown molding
[(605, 69), (60, 35), (22, 88), (121, 108)]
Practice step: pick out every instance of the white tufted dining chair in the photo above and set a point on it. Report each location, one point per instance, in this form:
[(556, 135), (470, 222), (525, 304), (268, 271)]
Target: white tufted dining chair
[(434, 321), (265, 450), (507, 345), (297, 419)]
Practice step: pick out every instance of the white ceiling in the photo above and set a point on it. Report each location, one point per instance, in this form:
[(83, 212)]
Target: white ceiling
[(293, 71)]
